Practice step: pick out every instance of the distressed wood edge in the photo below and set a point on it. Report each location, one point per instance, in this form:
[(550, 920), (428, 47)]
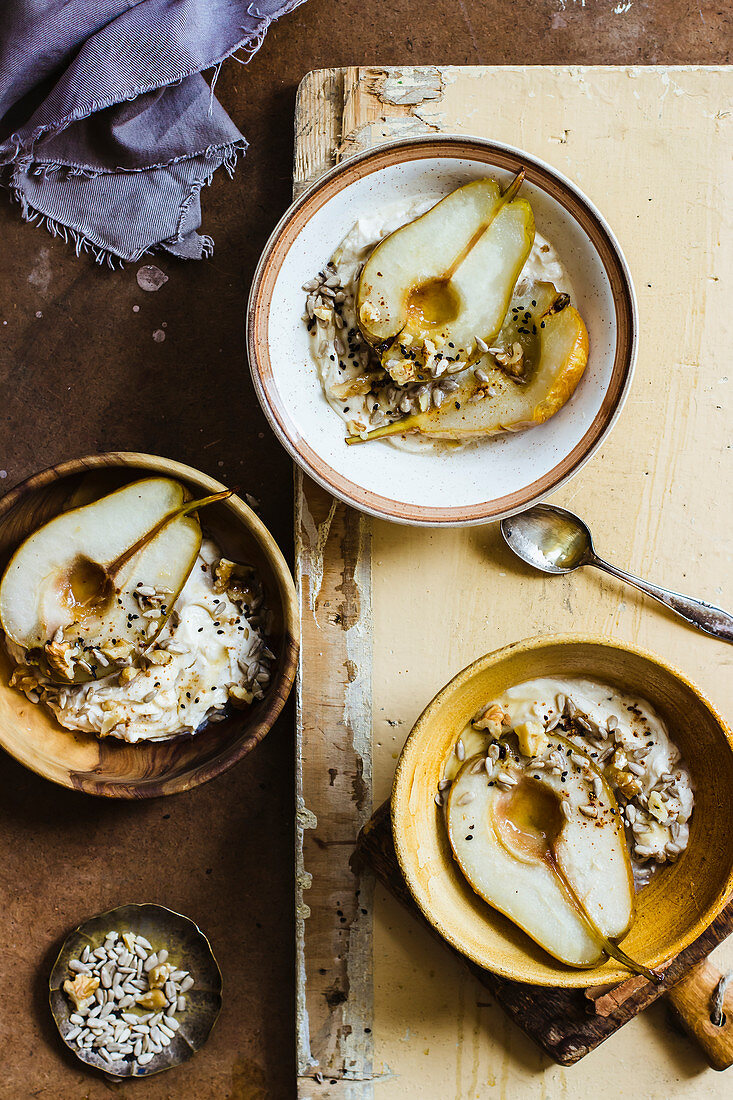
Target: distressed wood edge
[(318, 121), (347, 1048)]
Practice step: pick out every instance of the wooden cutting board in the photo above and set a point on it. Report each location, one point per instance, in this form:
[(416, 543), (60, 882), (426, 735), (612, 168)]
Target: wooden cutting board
[(391, 613)]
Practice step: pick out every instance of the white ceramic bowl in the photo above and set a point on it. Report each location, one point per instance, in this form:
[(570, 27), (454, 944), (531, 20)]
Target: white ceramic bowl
[(486, 480)]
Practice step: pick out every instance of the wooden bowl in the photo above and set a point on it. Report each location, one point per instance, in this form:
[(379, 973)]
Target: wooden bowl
[(682, 898), (188, 948), (114, 768)]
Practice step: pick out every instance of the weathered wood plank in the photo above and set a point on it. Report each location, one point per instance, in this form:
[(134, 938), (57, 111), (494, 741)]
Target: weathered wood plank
[(333, 768)]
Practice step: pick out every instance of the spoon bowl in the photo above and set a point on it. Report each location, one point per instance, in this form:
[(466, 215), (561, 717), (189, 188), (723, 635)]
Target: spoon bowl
[(556, 541), (549, 538)]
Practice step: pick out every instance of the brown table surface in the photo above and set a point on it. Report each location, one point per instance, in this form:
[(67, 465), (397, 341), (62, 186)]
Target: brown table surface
[(80, 372)]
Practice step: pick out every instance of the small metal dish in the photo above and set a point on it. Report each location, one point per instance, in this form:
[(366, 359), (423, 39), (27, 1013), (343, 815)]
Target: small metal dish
[(188, 949)]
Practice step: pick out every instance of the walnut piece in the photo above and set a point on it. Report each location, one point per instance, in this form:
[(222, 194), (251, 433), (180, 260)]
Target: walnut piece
[(159, 975), (81, 991), (491, 720), (239, 696), (237, 579), (159, 657), (532, 738), (59, 657), (619, 777), (369, 313), (401, 371), (511, 360), (153, 1000), (359, 385)]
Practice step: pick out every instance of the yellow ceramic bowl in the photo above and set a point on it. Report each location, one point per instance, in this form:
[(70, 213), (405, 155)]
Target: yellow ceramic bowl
[(682, 898), (147, 769)]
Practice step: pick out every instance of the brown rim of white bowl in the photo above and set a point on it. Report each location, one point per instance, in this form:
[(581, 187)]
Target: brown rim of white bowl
[(497, 155)]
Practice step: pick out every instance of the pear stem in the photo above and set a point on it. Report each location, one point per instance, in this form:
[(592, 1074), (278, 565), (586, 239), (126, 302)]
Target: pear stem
[(608, 946), (406, 424), (513, 187), (177, 513)]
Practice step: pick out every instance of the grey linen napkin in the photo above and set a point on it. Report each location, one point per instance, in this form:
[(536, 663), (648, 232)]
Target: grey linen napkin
[(108, 130)]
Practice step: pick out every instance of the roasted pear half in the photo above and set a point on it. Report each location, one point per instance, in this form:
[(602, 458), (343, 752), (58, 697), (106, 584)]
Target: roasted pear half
[(74, 594), (536, 363), (546, 850), (437, 283)]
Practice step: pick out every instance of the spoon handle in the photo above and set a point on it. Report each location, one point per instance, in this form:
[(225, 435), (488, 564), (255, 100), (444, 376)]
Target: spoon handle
[(713, 620)]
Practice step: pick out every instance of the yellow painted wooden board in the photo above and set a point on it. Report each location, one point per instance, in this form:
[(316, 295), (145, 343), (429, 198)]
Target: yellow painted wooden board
[(652, 148)]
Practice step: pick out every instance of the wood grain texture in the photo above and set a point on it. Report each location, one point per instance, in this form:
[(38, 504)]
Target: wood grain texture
[(691, 999), (147, 769), (333, 763)]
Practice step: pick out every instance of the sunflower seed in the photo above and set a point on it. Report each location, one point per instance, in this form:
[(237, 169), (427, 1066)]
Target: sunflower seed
[(506, 778), (463, 800), (589, 811), (444, 784), (460, 750), (438, 798)]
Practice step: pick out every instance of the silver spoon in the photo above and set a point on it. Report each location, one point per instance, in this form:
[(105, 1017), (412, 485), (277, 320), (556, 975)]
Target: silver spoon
[(556, 541)]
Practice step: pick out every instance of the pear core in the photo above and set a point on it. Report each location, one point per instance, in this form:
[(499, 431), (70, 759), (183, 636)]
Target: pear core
[(85, 585), (528, 821), (433, 303)]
